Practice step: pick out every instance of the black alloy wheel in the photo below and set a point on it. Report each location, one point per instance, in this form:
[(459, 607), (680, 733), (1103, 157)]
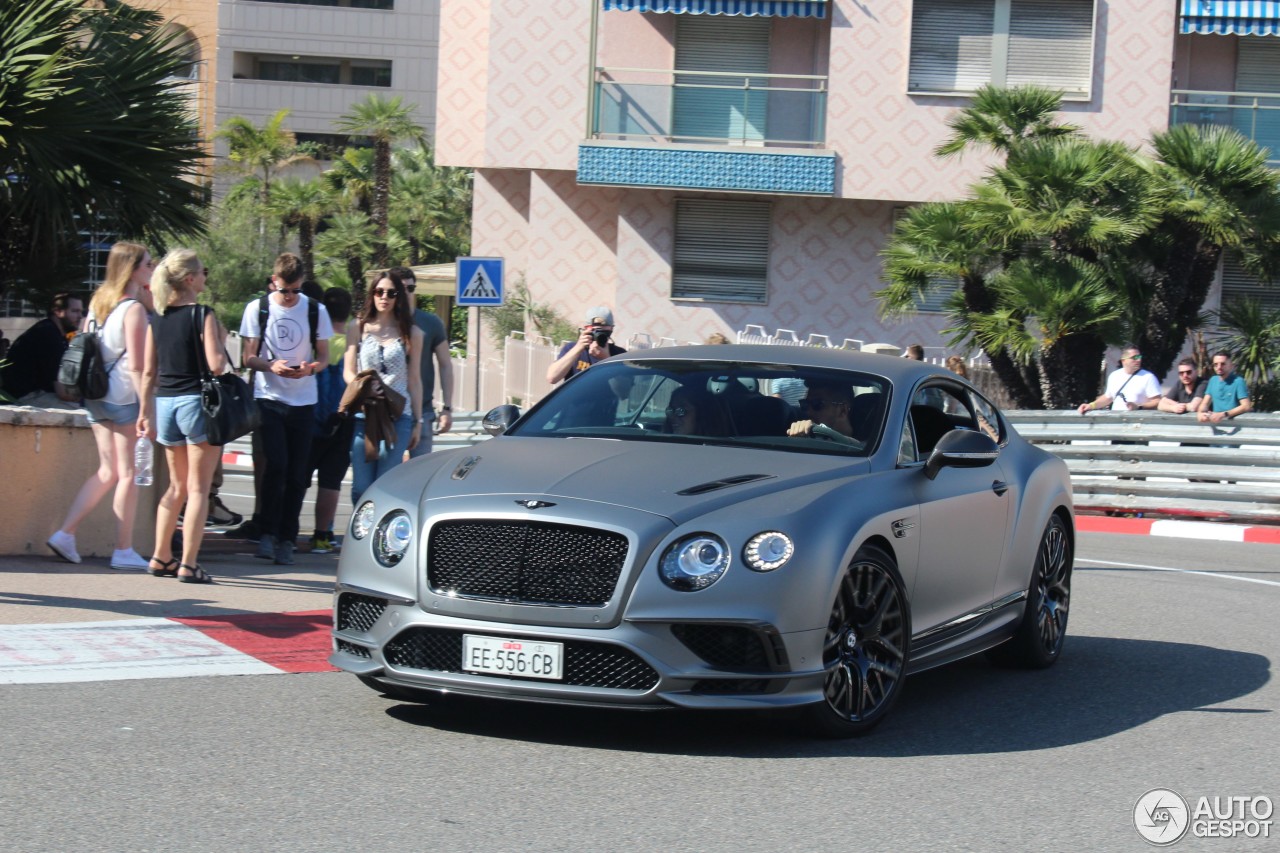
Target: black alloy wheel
[(1038, 640), (866, 648)]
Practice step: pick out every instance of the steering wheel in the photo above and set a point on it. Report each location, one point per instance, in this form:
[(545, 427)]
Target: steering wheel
[(826, 432)]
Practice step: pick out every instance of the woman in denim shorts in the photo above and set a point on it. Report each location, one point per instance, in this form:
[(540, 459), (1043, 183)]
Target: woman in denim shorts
[(119, 318), (171, 410)]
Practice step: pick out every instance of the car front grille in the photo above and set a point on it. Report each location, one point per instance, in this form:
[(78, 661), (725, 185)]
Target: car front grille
[(525, 561), (359, 612), (586, 664)]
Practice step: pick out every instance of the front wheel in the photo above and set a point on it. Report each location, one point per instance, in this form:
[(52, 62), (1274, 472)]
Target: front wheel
[(865, 649), (1037, 641)]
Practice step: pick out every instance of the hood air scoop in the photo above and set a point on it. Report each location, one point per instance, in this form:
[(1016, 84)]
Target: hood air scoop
[(715, 485)]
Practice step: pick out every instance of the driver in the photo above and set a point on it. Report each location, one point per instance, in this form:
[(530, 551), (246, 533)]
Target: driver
[(825, 404)]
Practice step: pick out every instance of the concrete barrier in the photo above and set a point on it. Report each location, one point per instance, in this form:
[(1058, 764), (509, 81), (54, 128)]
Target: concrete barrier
[(45, 457)]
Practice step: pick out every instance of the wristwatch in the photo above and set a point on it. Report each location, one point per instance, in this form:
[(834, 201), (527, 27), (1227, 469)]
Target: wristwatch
[(446, 408)]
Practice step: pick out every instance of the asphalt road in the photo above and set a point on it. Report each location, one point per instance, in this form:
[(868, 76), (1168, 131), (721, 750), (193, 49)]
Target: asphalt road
[(1165, 682)]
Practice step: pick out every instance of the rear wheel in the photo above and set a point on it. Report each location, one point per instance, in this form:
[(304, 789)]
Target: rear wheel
[(865, 649), (1037, 642)]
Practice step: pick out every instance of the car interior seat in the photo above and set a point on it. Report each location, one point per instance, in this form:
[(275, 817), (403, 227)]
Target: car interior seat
[(755, 414), (864, 414), (931, 424)]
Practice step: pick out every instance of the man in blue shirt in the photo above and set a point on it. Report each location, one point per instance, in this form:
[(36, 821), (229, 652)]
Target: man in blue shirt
[(1226, 395)]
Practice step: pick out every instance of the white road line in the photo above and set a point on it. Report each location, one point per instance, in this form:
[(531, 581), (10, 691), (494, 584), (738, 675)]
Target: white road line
[(1179, 571)]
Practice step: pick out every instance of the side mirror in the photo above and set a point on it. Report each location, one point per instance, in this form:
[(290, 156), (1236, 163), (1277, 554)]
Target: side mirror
[(499, 418), (961, 448)]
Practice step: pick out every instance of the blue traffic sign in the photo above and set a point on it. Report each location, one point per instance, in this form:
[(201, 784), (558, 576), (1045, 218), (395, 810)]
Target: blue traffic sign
[(479, 281)]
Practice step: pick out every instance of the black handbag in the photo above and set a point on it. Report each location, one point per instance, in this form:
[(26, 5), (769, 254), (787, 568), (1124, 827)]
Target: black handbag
[(226, 400)]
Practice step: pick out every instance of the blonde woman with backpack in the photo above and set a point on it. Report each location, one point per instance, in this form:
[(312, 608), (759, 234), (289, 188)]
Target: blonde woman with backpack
[(119, 319)]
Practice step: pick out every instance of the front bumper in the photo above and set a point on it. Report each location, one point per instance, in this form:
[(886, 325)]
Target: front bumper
[(650, 664)]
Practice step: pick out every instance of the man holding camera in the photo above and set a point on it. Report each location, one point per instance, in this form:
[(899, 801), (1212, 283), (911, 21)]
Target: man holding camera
[(592, 345)]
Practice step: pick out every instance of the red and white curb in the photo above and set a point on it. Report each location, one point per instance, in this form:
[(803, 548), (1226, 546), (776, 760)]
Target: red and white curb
[(1181, 529), (239, 644), (237, 460)]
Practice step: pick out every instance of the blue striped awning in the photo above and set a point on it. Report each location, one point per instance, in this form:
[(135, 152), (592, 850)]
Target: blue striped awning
[(771, 8), (1231, 17)]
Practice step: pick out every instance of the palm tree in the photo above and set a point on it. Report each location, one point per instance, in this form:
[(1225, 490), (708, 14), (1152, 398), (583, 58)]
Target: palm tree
[(302, 205), (1250, 331), (93, 130), (352, 178), (430, 206), (1218, 193), (348, 236), (1002, 119), (385, 121), (261, 152)]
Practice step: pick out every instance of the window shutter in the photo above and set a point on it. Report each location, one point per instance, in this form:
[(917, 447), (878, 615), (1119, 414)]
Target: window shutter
[(1238, 284), (736, 45), (721, 251), (1051, 44), (951, 43)]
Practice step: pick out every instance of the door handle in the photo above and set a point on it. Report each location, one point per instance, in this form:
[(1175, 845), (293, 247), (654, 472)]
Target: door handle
[(999, 487)]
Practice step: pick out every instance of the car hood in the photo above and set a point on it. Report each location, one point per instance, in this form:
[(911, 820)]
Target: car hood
[(678, 481)]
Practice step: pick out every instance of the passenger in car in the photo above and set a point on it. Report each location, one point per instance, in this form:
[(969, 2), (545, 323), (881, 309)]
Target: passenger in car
[(692, 412)]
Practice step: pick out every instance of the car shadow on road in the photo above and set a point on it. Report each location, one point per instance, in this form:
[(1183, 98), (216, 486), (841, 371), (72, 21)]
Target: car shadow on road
[(1102, 686)]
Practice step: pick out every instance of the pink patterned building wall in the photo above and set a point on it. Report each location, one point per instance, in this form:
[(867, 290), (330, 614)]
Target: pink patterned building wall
[(514, 97)]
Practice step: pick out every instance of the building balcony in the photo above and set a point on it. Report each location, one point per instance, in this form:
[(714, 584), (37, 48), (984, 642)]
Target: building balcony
[(1256, 115), (708, 130)]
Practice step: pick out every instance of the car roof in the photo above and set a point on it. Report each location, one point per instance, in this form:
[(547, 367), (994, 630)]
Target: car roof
[(899, 371)]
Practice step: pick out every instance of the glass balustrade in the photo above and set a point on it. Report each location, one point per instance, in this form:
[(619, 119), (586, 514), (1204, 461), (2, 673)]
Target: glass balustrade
[(1255, 115)]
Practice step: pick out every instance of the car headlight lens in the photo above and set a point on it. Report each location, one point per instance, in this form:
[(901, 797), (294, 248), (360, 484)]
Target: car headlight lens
[(393, 537), (768, 551), (362, 521), (695, 562)]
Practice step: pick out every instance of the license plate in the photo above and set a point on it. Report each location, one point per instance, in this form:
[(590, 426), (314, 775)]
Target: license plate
[(520, 658)]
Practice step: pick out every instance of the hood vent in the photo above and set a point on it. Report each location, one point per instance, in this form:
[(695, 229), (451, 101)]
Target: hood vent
[(464, 467), (714, 485)]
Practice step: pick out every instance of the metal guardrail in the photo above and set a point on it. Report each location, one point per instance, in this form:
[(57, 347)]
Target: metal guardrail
[(1164, 464)]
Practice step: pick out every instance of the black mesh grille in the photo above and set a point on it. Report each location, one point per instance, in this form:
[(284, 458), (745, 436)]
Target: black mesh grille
[(586, 664), (353, 649), (725, 646), (525, 561), (359, 612)]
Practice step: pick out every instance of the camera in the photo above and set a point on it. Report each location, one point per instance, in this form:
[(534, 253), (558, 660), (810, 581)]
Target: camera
[(600, 335)]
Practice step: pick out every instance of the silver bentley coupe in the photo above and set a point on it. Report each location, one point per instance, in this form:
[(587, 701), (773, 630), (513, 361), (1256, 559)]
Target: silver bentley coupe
[(745, 527)]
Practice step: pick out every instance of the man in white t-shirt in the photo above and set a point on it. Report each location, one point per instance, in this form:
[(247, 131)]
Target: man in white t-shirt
[(1129, 388), (286, 343)]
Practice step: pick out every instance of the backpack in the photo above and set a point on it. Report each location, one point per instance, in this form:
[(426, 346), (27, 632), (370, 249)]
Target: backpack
[(81, 375)]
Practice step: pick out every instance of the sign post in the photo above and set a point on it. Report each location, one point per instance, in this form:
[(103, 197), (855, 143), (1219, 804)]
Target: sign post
[(480, 284)]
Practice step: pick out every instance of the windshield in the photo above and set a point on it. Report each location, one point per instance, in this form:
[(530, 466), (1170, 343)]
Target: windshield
[(708, 402)]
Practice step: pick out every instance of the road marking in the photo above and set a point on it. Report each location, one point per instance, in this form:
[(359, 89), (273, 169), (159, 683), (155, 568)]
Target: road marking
[(1179, 571), (237, 644)]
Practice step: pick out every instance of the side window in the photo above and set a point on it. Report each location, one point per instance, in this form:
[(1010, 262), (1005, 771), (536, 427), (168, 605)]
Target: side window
[(935, 411), (985, 415)]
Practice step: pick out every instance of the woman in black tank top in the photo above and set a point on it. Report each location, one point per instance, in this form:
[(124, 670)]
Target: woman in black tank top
[(171, 410)]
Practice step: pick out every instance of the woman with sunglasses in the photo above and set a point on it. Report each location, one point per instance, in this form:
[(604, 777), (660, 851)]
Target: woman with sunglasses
[(1185, 396), (118, 311), (384, 338)]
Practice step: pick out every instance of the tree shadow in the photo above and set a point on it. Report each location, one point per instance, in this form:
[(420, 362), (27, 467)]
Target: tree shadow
[(1102, 686)]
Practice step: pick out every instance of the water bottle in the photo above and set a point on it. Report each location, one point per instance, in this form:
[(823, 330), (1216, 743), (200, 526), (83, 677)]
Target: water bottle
[(142, 456)]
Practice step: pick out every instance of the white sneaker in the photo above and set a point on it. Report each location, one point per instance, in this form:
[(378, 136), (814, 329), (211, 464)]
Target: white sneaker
[(127, 559), (64, 545)]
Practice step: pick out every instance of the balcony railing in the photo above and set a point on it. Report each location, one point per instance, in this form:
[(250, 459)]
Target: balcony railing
[(710, 108), (1255, 114)]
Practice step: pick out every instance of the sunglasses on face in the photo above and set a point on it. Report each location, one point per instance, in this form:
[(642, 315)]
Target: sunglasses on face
[(1133, 357), (816, 405), (289, 289), (1185, 372), (385, 293), (1218, 364), (677, 411), (411, 287)]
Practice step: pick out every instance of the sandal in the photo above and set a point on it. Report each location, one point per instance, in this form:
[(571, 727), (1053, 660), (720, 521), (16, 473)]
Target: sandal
[(198, 575), (167, 567)]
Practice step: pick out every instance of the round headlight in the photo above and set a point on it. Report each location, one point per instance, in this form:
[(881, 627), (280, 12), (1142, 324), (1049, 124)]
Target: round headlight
[(695, 562), (362, 521), (768, 551), (393, 537)]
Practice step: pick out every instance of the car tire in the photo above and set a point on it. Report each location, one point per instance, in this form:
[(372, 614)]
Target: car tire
[(1037, 641), (865, 650)]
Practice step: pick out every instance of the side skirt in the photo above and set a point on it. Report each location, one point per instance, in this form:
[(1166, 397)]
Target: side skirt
[(967, 635)]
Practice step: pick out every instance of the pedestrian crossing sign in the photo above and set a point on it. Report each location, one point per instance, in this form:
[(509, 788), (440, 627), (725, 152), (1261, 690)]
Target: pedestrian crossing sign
[(479, 281)]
